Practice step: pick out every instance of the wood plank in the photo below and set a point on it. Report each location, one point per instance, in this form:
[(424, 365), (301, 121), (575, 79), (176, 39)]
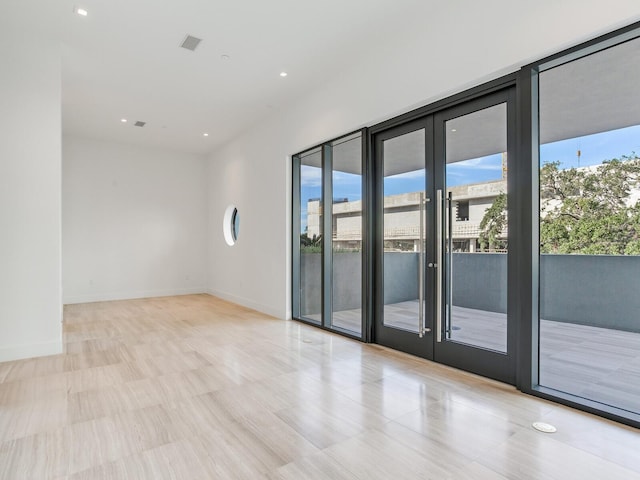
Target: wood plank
[(195, 387)]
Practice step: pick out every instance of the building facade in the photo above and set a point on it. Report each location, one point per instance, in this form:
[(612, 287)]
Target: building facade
[(402, 218)]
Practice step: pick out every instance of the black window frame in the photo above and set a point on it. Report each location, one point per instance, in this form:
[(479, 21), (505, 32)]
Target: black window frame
[(327, 247), (528, 256)]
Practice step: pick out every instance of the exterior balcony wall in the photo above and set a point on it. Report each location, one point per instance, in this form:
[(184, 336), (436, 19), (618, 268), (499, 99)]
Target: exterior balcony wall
[(595, 290)]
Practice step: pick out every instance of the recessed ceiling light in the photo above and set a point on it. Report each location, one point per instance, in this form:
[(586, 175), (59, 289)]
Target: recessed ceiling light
[(454, 130), (123, 120), (81, 11), (205, 134), (283, 74)]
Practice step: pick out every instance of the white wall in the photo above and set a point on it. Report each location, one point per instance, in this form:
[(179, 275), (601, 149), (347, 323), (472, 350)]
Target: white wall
[(253, 271), (30, 303), (433, 56), (134, 221)]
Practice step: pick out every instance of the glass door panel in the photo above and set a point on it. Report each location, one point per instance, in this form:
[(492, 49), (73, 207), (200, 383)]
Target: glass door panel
[(475, 229), (403, 227), (472, 325), (402, 281), (442, 236)]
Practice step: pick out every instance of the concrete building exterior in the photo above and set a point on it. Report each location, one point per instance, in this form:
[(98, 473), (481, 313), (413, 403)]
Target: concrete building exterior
[(402, 218)]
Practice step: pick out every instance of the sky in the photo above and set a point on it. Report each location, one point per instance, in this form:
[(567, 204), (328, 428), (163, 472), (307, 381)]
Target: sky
[(593, 150)]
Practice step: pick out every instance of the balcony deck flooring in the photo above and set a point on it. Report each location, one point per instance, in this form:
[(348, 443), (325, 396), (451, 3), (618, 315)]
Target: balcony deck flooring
[(595, 363)]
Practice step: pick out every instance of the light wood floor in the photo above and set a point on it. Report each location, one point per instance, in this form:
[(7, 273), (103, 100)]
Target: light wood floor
[(195, 388), (598, 364)]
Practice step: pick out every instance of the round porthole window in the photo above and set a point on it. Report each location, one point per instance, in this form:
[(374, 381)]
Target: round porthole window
[(231, 225)]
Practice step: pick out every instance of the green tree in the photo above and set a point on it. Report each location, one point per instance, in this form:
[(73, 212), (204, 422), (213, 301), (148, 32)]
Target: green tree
[(493, 223), (310, 244), (590, 210)]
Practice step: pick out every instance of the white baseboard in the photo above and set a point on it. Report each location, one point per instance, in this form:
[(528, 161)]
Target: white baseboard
[(245, 302), (19, 352), (109, 296)]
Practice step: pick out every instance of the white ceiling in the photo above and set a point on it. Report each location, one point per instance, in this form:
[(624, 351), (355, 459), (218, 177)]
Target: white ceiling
[(123, 61), (594, 94)]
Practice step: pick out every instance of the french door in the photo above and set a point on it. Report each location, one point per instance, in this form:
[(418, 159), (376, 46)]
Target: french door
[(442, 236)]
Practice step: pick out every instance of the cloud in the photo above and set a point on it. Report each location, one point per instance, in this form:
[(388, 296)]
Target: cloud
[(343, 177), (310, 176), (493, 162), (407, 175)]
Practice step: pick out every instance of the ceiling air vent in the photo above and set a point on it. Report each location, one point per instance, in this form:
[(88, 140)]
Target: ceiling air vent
[(139, 124), (191, 43)]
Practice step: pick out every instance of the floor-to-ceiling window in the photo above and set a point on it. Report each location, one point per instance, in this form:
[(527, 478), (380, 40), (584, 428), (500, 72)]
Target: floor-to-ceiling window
[(328, 235), (589, 225), (309, 242), (573, 235), (346, 234)]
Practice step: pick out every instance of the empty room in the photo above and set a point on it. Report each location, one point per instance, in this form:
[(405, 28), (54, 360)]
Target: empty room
[(324, 240)]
